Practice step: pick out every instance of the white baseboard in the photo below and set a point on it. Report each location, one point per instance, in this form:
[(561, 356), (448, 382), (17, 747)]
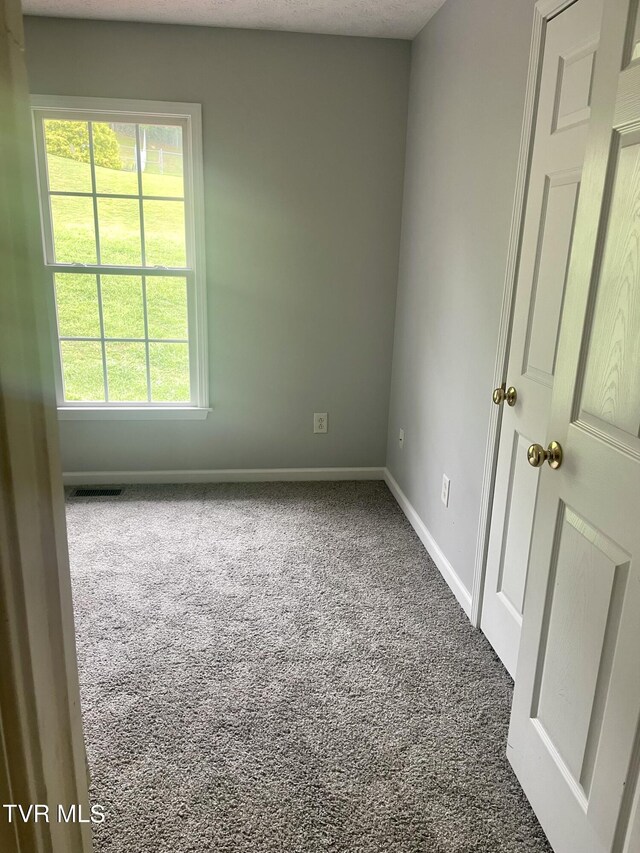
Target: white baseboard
[(446, 569), (239, 475)]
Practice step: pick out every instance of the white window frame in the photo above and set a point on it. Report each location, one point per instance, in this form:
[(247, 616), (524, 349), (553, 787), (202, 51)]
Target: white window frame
[(189, 117)]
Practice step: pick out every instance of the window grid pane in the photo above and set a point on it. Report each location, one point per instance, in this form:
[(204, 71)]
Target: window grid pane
[(77, 308), (112, 348), (167, 307), (82, 371), (119, 230), (74, 235), (165, 238), (101, 245), (127, 371), (112, 150), (164, 162), (67, 147), (116, 322), (123, 307), (169, 371)]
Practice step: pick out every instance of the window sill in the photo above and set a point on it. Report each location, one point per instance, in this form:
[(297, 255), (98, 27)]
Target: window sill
[(130, 413)]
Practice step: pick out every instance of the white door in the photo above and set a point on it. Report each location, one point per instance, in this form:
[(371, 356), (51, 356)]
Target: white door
[(574, 739), (559, 144)]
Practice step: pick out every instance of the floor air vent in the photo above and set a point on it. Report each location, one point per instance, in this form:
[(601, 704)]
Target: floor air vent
[(96, 493)]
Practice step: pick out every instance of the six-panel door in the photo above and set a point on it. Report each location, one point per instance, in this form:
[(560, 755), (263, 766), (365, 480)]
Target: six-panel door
[(564, 110), (574, 739)]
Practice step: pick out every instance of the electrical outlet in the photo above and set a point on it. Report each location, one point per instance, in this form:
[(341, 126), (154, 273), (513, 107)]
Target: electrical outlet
[(320, 422), (445, 490), (401, 439)]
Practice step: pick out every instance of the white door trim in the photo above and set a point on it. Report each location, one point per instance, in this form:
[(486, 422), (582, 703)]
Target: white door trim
[(544, 11), (42, 755)]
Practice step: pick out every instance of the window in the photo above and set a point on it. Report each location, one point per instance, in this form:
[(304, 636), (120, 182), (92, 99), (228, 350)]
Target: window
[(122, 221)]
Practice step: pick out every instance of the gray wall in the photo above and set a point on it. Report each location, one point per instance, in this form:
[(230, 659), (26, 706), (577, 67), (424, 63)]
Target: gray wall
[(467, 88), (303, 153)]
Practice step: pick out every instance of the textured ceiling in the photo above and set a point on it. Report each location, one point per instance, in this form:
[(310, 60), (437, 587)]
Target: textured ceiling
[(379, 18)]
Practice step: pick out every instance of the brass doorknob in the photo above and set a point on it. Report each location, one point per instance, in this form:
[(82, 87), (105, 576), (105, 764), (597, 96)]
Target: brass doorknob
[(500, 396), (537, 455)]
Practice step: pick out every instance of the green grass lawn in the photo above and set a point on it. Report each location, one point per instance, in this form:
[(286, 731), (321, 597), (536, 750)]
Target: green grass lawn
[(118, 219), (122, 296)]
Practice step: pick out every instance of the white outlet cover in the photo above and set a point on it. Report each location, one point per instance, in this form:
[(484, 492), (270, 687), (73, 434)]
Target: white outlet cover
[(401, 438), (320, 422)]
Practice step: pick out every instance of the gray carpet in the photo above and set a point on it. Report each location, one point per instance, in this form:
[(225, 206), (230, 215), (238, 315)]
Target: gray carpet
[(279, 668)]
